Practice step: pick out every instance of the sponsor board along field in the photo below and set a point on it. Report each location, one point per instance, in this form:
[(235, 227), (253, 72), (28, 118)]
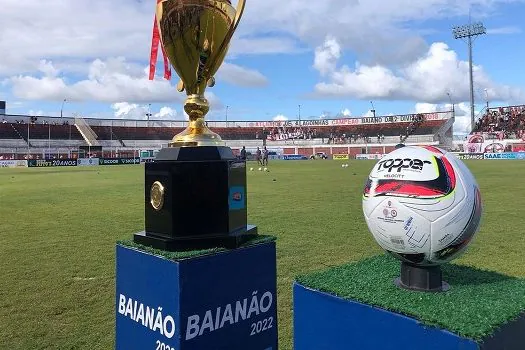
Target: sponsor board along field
[(59, 227)]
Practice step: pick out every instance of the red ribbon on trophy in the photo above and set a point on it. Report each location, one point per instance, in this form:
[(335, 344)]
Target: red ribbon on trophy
[(154, 50)]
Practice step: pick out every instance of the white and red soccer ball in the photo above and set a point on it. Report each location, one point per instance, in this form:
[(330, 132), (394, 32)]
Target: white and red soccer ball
[(422, 205)]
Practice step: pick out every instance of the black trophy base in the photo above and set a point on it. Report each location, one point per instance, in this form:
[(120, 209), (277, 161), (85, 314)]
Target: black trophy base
[(231, 241), (421, 278)]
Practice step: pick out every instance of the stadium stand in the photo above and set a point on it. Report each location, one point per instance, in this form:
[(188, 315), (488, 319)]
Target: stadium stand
[(508, 121), (44, 137), (500, 129), (24, 137)]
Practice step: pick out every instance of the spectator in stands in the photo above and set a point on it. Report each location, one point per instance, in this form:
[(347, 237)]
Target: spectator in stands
[(509, 121)]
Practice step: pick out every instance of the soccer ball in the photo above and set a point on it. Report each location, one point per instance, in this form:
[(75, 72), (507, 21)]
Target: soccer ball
[(265, 169), (422, 205), (251, 169), (260, 169)]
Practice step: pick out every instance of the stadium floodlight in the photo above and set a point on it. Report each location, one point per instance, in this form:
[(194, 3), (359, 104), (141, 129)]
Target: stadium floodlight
[(62, 109), (470, 32), (452, 104)]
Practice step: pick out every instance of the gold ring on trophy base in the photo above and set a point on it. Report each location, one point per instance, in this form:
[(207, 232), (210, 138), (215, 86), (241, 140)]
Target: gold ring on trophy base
[(157, 195), (183, 144)]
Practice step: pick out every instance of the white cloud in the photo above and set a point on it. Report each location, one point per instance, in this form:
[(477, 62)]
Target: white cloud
[(125, 110), (427, 78), (426, 108), (37, 113), (462, 113), (262, 46), (167, 113), (346, 112), (326, 56), (76, 31), (117, 80), (368, 114), (374, 30), (241, 76), (462, 123), (47, 68), (280, 117), (114, 80)]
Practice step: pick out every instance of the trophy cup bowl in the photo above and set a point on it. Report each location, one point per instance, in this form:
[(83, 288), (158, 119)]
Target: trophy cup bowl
[(195, 35)]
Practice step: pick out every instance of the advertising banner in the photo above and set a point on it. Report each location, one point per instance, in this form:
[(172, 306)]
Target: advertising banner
[(13, 163), (340, 156), (119, 161), (482, 143), (505, 155), (376, 156), (87, 161), (294, 157), (42, 163), (147, 159), (467, 156), (404, 118)]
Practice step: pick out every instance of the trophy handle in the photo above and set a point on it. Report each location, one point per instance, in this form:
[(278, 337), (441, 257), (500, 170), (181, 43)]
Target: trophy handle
[(180, 86), (238, 14), (240, 10)]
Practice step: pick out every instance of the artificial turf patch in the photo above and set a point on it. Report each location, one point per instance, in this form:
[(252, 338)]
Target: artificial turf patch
[(476, 305), (176, 256)]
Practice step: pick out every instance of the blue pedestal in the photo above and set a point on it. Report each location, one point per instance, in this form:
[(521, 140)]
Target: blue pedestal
[(326, 322), (225, 300)]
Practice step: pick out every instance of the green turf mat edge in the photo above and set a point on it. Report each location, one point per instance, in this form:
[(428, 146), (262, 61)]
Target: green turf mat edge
[(177, 256), (478, 303)]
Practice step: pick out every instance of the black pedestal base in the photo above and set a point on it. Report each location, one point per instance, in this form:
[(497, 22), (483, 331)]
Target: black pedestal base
[(231, 241), (195, 198), (421, 278)]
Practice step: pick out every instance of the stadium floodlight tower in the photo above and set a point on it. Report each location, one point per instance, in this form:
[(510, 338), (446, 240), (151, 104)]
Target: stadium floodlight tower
[(470, 32)]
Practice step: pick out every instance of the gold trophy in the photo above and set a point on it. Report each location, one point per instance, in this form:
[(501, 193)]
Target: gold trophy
[(197, 175), (196, 35)]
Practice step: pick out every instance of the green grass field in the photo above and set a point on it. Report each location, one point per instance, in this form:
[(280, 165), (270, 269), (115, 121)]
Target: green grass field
[(58, 228)]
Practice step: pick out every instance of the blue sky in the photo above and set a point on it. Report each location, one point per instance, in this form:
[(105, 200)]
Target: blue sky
[(331, 57)]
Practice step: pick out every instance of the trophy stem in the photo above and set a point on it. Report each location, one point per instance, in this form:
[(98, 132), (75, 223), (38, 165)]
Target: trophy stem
[(197, 133)]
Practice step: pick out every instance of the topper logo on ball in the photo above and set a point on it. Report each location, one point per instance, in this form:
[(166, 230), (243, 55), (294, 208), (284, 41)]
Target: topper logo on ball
[(196, 35), (400, 164)]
